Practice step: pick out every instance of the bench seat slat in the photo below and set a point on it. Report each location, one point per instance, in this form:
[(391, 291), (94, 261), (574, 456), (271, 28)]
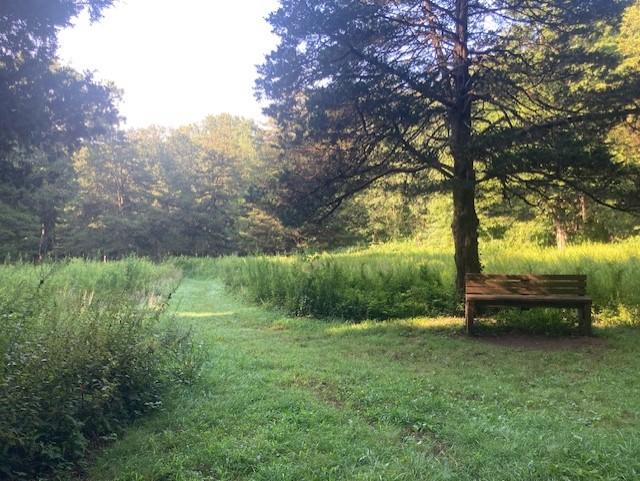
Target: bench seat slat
[(527, 283), (525, 291), (525, 299), (512, 277), (531, 285), (497, 282)]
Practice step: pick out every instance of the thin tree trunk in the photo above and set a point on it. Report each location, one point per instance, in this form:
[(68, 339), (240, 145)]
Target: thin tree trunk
[(561, 223), (43, 242), (46, 235), (584, 214), (465, 220), (562, 236)]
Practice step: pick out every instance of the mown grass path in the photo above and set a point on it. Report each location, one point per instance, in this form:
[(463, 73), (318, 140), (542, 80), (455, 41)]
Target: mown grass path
[(301, 399)]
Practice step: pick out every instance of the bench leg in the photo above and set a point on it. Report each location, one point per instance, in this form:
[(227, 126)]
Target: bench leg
[(585, 319), (469, 312)]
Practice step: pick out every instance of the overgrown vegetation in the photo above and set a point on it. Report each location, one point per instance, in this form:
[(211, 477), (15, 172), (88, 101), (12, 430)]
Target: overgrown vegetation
[(410, 279), (85, 349)]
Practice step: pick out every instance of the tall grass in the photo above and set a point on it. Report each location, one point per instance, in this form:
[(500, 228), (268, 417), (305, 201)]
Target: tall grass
[(612, 270), (85, 349), (409, 279)]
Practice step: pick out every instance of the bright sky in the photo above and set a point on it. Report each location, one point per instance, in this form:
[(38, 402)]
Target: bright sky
[(177, 61)]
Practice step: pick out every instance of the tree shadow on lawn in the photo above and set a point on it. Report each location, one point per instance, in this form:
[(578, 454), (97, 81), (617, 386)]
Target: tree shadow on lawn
[(487, 331), (519, 339)]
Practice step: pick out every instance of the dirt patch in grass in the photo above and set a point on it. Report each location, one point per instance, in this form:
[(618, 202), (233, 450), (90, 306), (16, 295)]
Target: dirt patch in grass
[(321, 390), (421, 436), (542, 343), (327, 393)]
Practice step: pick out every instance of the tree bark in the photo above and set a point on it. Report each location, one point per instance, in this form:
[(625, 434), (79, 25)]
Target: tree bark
[(562, 236), (584, 214), (46, 234), (465, 220), (563, 222), (465, 224)]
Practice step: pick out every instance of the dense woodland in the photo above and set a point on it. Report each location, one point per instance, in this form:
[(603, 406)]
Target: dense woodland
[(209, 189), (73, 183)]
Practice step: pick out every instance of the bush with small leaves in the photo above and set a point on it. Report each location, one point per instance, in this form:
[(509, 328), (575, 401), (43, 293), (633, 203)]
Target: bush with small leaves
[(86, 348)]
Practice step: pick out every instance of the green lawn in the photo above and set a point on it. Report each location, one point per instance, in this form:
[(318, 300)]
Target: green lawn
[(300, 399)]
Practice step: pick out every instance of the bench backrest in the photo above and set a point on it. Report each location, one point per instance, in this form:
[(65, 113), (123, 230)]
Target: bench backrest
[(526, 285)]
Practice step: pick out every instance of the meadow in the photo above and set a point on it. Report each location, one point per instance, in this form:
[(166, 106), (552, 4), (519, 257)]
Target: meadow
[(289, 398), (406, 279), (328, 366)]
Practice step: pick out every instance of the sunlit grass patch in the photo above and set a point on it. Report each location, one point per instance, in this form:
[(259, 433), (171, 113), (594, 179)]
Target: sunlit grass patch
[(201, 315), (416, 323)]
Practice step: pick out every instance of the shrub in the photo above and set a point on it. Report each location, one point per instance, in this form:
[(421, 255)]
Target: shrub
[(349, 285), (404, 279), (86, 349)]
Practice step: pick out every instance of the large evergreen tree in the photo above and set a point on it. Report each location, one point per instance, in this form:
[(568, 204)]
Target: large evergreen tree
[(471, 91)]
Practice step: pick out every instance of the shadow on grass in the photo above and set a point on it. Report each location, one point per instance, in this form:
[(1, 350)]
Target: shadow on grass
[(201, 315), (486, 331), (519, 339)]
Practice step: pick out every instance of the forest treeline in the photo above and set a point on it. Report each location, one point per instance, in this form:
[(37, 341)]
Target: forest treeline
[(337, 164), (212, 189)]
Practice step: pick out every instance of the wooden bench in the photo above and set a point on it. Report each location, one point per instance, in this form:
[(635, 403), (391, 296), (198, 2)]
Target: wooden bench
[(527, 291)]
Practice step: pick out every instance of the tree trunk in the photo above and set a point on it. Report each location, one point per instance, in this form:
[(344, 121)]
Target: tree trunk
[(465, 226), (465, 219), (562, 222), (583, 209), (562, 236), (46, 234)]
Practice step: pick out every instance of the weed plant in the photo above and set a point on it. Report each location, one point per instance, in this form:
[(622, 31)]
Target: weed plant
[(405, 279), (85, 349)]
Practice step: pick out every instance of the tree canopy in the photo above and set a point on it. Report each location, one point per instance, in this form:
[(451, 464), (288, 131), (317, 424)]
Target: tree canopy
[(519, 92), (515, 118), (44, 104), (47, 111)]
